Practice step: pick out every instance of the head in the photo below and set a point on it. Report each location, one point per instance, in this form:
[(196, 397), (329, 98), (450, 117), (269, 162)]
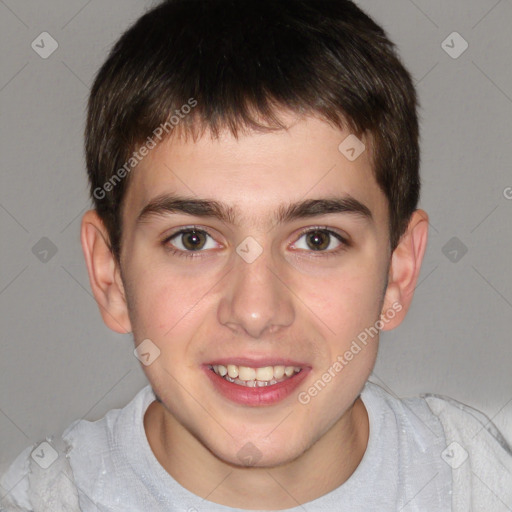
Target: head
[(229, 117)]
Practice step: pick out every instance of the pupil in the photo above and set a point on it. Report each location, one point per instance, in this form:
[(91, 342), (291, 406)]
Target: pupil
[(316, 238), (194, 237)]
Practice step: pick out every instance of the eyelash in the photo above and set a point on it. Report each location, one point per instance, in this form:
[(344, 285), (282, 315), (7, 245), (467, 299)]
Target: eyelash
[(197, 254)]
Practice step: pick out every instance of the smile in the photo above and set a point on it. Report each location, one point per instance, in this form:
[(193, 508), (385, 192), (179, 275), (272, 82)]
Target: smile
[(255, 386), (255, 377)]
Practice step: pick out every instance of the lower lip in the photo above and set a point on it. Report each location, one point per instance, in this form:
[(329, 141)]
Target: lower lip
[(266, 395)]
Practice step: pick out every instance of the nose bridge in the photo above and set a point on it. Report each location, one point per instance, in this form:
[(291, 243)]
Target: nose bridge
[(255, 300)]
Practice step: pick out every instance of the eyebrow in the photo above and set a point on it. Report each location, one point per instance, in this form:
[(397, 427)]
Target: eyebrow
[(174, 204)]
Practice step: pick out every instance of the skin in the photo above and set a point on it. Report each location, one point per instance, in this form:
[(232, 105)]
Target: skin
[(290, 302)]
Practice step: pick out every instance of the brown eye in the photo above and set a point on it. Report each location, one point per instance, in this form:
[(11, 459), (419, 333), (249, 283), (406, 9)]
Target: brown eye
[(318, 240), (193, 240), (188, 241), (321, 240)]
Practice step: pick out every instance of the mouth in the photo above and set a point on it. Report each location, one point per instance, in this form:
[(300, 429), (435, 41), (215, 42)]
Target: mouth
[(255, 385), (254, 377)]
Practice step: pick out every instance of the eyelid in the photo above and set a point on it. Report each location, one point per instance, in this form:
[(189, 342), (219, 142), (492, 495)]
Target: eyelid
[(192, 227)]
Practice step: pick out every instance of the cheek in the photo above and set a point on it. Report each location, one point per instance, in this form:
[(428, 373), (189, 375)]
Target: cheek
[(344, 301), (161, 302)]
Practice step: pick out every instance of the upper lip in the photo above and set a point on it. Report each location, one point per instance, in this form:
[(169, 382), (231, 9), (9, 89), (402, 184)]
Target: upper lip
[(259, 362)]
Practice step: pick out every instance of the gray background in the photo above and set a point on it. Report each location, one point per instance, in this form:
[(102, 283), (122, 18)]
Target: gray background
[(59, 362)]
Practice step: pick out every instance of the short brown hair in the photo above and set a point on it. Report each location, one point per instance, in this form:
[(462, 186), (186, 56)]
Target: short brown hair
[(241, 61)]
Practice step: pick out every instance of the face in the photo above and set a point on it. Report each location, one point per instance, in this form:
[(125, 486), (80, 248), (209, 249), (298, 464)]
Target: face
[(260, 293)]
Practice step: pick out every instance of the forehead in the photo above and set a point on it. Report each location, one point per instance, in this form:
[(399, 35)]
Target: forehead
[(255, 173)]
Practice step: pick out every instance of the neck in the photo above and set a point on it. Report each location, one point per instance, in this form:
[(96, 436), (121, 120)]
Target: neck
[(326, 465)]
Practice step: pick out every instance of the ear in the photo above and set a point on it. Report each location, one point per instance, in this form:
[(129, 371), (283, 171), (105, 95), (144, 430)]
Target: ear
[(104, 273), (404, 270)]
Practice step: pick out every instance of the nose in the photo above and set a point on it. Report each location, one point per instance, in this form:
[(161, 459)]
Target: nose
[(256, 300)]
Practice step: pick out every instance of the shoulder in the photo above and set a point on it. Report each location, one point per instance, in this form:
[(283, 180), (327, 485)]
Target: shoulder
[(40, 478), (467, 421), (413, 416), (479, 454), (44, 475), (14, 483), (463, 441)]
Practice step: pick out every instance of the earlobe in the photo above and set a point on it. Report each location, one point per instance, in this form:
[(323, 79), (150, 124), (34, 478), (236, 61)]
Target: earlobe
[(404, 270), (104, 276)]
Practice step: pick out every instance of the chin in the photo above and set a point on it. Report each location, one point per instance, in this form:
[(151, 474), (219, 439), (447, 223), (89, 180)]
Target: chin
[(260, 452)]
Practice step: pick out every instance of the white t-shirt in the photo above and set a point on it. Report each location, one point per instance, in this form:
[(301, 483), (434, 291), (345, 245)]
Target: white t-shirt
[(427, 453)]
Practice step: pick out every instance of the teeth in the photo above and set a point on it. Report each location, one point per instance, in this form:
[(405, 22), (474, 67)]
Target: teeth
[(278, 372), (246, 373), (232, 371), (252, 383), (265, 373), (255, 377)]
